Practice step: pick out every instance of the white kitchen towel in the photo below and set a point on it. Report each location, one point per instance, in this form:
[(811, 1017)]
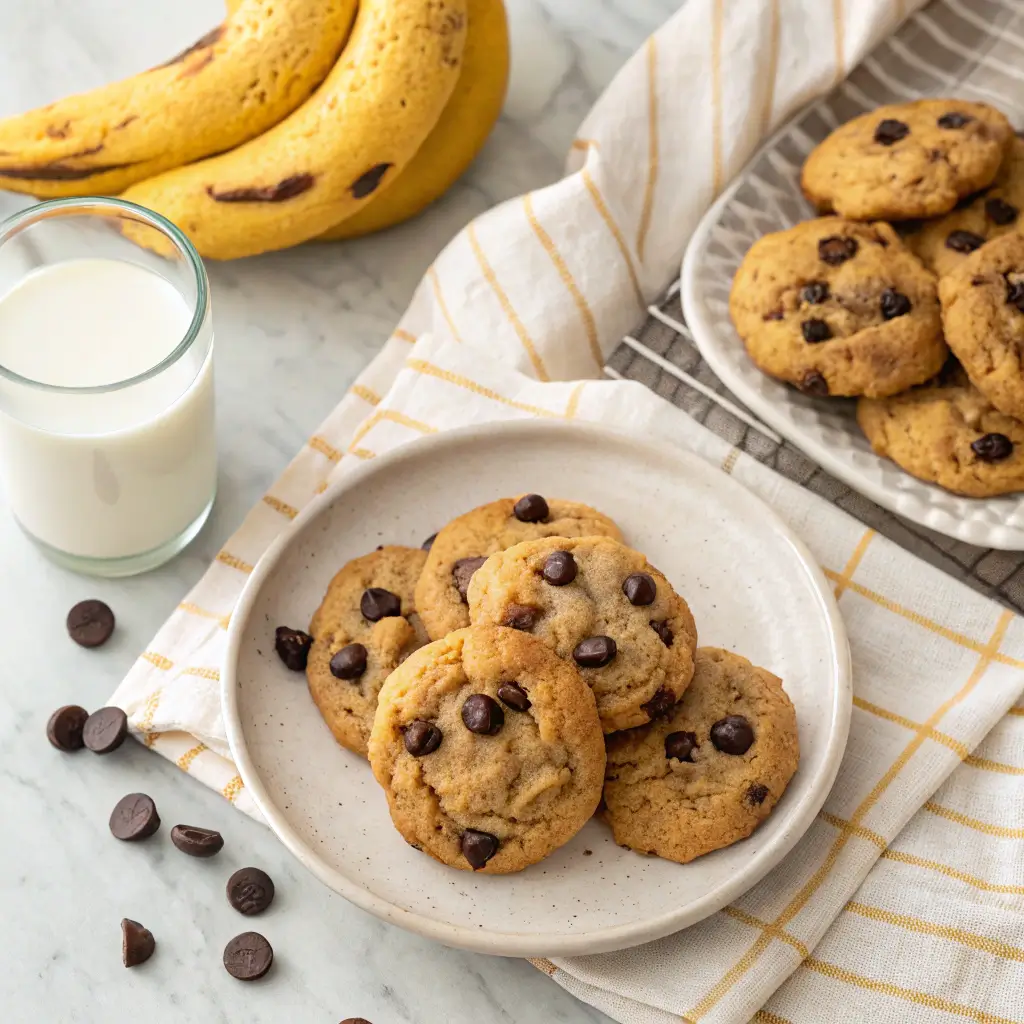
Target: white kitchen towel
[(516, 312)]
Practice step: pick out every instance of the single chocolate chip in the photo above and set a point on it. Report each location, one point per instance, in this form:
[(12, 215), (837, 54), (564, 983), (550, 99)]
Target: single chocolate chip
[(815, 331), (478, 847), (663, 630), (1000, 212), (774, 314), (894, 304), (964, 241), (640, 588), (595, 651), (954, 119), (292, 646), (369, 181), (196, 841), (482, 714), (514, 696), (559, 568), (105, 730), (429, 542), (521, 616), (815, 292), (680, 745), (378, 603), (64, 729), (890, 130), (813, 383), (349, 662), (248, 956), (134, 817), (462, 573), (422, 738), (531, 508), (660, 704), (250, 891), (1015, 294), (137, 943), (732, 735), (756, 793), (90, 623), (836, 249), (992, 447)]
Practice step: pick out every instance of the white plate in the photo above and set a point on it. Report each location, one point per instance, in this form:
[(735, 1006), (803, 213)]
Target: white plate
[(752, 587)]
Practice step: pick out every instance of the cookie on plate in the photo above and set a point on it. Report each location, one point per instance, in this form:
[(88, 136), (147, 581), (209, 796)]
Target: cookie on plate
[(949, 434), (836, 307), (602, 606), (463, 545), (489, 749), (364, 628), (983, 316), (906, 160), (708, 774)]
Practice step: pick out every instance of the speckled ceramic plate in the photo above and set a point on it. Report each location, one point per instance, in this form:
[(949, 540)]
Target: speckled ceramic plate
[(752, 587)]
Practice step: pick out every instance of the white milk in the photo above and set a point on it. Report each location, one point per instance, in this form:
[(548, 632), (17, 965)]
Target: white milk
[(121, 472)]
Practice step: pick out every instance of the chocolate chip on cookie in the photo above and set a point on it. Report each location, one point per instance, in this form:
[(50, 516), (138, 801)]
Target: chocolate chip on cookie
[(559, 568), (292, 646), (531, 508), (954, 119), (478, 847), (521, 616), (679, 745), (462, 572), (378, 603), (664, 630), (660, 704), (349, 662), (640, 588), (813, 383), (992, 447), (422, 738), (890, 131), (594, 652), (1000, 212), (894, 304), (514, 696), (732, 735), (813, 293), (815, 331), (964, 241), (837, 249), (756, 793), (482, 714)]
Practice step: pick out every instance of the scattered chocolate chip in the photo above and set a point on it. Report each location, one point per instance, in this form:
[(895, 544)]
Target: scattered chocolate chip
[(815, 292), (894, 304), (531, 508), (774, 314), (992, 447), (368, 181), (663, 630), (105, 730), (482, 714), (462, 573), (248, 956), (134, 817), (732, 735), (964, 241), (756, 793), (680, 745), (954, 119), (890, 130), (559, 568), (660, 704), (640, 588), (836, 249), (514, 696), (1015, 294), (287, 188), (429, 542), (292, 646), (90, 623), (137, 943), (1000, 212), (815, 331), (813, 383), (521, 616), (422, 738), (478, 847), (64, 729), (594, 652), (196, 841), (349, 662), (250, 891)]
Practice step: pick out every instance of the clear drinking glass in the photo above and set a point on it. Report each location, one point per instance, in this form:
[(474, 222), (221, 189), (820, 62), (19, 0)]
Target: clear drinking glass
[(107, 444)]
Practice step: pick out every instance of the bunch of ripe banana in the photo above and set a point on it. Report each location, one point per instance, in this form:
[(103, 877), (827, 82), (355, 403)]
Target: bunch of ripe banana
[(294, 119)]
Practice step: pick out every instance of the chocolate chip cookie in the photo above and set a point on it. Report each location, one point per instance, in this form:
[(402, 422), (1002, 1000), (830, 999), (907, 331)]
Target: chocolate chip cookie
[(365, 627), (949, 434), (711, 772), (835, 307), (906, 160), (463, 545), (489, 749), (601, 606)]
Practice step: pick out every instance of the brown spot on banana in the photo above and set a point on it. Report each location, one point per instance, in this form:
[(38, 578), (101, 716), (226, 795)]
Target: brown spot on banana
[(369, 181), (61, 131), (287, 188), (58, 170), (194, 69), (209, 39)]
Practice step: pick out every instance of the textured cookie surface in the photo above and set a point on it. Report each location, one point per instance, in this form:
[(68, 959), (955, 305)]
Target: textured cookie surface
[(712, 771), (835, 307), (465, 543), (949, 434), (906, 160), (635, 652), (489, 749), (352, 655)]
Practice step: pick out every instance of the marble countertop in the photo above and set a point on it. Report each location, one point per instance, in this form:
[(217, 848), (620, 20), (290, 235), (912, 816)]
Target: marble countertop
[(293, 329)]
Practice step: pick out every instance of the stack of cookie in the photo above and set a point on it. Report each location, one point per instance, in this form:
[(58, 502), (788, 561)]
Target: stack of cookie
[(921, 256), (524, 664)]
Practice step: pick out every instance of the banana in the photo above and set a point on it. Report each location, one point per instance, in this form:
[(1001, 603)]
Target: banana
[(457, 137), (324, 161), (235, 83)]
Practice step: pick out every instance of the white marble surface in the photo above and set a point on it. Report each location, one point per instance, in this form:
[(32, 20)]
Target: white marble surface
[(293, 329)]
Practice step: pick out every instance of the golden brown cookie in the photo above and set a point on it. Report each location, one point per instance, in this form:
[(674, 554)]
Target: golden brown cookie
[(602, 606), (835, 307), (489, 749), (906, 160), (712, 771), (365, 627), (464, 544)]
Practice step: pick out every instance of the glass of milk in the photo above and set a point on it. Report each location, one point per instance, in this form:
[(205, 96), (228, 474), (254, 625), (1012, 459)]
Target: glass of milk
[(107, 449)]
